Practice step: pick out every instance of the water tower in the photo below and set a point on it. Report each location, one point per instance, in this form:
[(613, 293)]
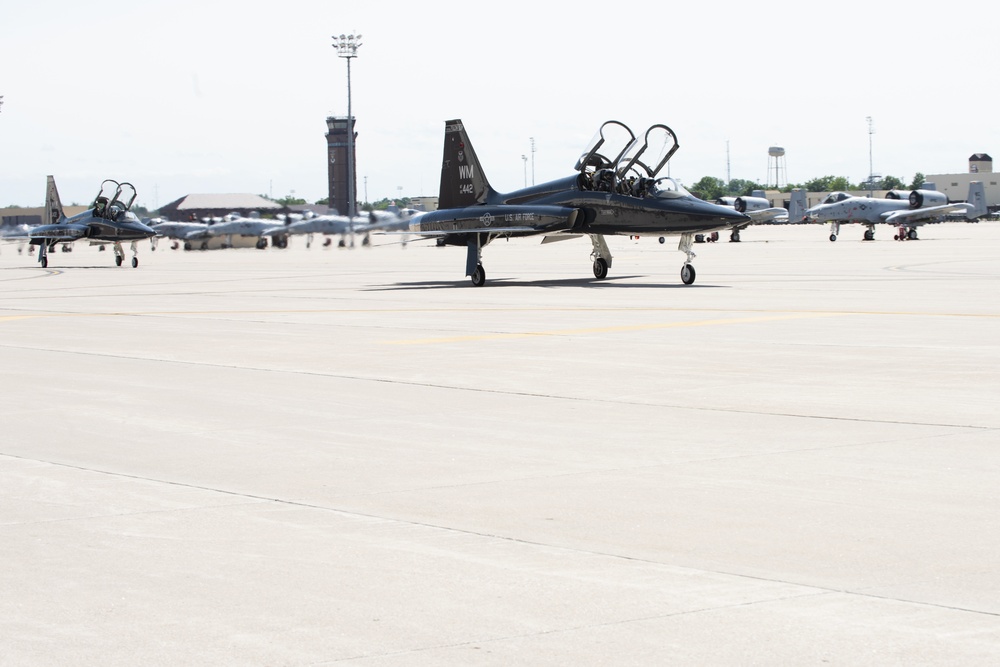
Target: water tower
[(776, 166)]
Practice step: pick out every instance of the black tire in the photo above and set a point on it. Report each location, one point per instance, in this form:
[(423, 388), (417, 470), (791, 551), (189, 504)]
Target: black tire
[(118, 260), (479, 276), (833, 237), (662, 240), (600, 268), (135, 262), (45, 262), (688, 274)]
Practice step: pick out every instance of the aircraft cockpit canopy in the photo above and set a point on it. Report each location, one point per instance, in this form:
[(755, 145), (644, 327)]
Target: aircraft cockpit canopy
[(645, 158), (606, 148), (667, 188), (835, 197), (114, 199)]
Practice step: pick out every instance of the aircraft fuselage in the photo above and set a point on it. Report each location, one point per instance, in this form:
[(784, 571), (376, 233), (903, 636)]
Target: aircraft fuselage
[(95, 228)]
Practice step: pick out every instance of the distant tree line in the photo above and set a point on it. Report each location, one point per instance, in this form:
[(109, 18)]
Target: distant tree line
[(710, 188)]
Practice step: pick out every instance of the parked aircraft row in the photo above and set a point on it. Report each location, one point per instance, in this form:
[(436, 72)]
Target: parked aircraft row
[(228, 228), (616, 190)]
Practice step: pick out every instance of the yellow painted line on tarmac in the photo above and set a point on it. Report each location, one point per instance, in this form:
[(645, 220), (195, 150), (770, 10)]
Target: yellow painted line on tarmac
[(615, 329), (781, 315)]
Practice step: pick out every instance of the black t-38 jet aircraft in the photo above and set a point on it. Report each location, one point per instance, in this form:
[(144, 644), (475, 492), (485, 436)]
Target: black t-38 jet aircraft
[(108, 220), (617, 190)]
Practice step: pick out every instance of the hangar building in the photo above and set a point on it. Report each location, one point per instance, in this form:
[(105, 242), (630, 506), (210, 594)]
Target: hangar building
[(198, 206)]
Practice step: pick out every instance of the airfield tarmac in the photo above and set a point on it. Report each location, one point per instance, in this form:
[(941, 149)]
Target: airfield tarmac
[(309, 457)]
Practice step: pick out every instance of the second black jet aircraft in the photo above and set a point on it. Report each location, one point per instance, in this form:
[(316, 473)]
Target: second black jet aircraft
[(616, 190)]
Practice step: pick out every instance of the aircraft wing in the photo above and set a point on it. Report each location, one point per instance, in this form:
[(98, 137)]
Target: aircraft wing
[(196, 234), (59, 232), (768, 216), (19, 233), (920, 215), (500, 219)]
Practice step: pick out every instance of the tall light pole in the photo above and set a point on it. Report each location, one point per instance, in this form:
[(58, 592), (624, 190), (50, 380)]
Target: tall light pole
[(532, 160), (871, 168), (347, 47), (525, 159)]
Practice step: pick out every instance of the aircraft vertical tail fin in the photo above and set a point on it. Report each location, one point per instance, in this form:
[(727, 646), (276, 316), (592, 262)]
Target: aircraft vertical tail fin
[(53, 206), (797, 205), (977, 197), (463, 182)]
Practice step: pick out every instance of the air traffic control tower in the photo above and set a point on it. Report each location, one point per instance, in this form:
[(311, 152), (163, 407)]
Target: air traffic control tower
[(336, 148)]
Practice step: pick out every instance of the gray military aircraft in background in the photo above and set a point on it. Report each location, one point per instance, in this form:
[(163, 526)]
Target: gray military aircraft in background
[(904, 211), (617, 190), (186, 232), (108, 220), (757, 208), (235, 225)]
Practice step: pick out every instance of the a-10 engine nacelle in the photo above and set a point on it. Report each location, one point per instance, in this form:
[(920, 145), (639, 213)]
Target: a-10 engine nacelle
[(920, 198), (925, 198), (744, 204)]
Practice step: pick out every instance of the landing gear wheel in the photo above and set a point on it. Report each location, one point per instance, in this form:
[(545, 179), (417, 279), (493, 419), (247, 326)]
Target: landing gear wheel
[(118, 260), (662, 240), (135, 262), (833, 237), (261, 244), (869, 235), (479, 276), (600, 268), (45, 262), (687, 274), (912, 235), (734, 237)]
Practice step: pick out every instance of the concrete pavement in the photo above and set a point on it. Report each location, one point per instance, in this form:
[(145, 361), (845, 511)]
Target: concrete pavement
[(306, 457)]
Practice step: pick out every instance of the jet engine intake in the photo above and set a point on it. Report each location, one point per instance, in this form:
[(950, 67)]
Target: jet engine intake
[(744, 204), (924, 198)]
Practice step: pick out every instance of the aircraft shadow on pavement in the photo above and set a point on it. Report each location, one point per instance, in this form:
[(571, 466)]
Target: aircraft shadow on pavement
[(607, 283)]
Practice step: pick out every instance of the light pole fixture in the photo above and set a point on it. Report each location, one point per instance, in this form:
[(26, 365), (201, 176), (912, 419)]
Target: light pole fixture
[(871, 166), (525, 159), (347, 47), (532, 160)]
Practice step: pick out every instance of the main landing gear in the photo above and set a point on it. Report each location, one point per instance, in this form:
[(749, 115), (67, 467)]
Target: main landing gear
[(601, 255), (479, 276), (907, 234), (43, 254)]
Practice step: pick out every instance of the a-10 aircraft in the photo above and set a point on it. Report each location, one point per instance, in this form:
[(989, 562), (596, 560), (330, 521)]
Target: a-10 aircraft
[(757, 208), (617, 190), (899, 209), (187, 232), (234, 224), (108, 220)]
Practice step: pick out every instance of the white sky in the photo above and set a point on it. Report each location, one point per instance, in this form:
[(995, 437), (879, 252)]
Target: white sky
[(182, 97)]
